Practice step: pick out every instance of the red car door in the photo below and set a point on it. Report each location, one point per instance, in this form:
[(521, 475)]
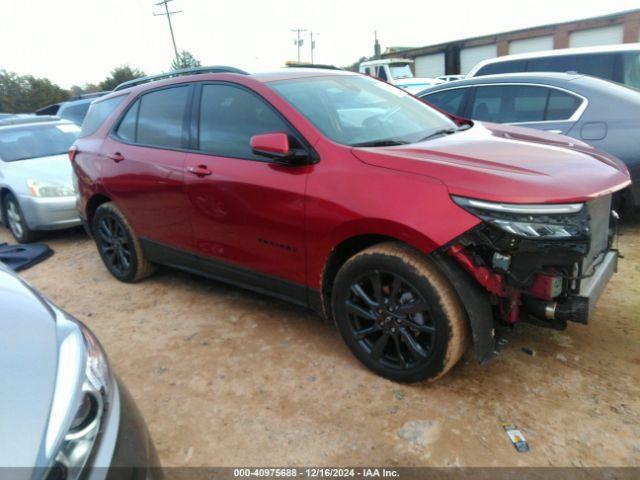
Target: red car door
[(247, 211), (144, 169)]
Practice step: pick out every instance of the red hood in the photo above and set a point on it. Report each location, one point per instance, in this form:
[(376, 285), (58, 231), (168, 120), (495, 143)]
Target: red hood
[(507, 164)]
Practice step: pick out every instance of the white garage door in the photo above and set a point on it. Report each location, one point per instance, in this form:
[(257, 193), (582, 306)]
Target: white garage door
[(596, 36), (536, 44), (469, 57), (430, 65)]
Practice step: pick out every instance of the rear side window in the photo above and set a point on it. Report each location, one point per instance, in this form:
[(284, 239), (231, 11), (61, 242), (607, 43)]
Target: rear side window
[(230, 116), (98, 113), (561, 105), (161, 117), (448, 100), (523, 104), (510, 66), (509, 103)]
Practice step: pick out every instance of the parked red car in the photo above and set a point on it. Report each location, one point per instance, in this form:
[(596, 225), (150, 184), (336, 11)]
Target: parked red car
[(416, 232)]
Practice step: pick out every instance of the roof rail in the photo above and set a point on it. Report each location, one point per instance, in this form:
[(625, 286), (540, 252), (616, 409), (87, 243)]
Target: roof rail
[(177, 73)]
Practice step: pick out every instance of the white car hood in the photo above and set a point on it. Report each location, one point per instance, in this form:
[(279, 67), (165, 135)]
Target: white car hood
[(56, 168)]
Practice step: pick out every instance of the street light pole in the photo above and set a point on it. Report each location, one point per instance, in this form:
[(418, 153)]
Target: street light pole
[(168, 15)]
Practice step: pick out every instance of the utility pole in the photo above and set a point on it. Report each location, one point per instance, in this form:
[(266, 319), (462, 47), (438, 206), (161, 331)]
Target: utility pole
[(313, 44), (168, 14), (299, 42)]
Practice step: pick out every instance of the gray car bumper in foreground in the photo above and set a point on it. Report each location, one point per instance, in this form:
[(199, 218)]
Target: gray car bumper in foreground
[(593, 286), (53, 213)]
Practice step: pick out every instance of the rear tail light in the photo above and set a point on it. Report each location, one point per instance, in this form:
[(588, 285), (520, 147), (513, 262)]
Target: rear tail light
[(73, 151)]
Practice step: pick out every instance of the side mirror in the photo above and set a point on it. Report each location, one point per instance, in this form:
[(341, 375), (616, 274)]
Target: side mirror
[(271, 145)]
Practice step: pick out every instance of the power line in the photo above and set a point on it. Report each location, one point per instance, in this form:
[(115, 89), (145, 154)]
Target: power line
[(168, 15), (299, 42)]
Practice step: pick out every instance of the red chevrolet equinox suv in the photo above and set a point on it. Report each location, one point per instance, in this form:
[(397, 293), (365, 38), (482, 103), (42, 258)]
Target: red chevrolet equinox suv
[(419, 234)]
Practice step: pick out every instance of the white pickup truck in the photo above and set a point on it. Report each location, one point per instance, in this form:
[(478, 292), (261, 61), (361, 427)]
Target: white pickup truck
[(397, 71)]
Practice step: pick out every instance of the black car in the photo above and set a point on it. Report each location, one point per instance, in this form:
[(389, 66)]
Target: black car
[(601, 113), (73, 110)]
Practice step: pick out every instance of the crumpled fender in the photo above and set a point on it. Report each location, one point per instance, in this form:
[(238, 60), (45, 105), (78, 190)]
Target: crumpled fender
[(476, 303)]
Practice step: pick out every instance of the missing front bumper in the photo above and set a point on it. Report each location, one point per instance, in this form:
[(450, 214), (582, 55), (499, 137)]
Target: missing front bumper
[(575, 308)]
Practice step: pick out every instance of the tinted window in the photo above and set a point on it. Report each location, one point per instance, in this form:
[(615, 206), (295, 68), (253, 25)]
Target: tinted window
[(36, 141), (598, 65), (127, 128), (561, 105), (511, 66), (98, 113), (448, 100), (230, 116), (631, 69), (161, 117), (381, 73), (509, 103), (550, 64)]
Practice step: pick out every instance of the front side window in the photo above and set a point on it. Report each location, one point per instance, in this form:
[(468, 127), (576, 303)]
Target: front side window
[(361, 111), (381, 73), (230, 116), (509, 103), (448, 100), (156, 118), (36, 141), (161, 117)]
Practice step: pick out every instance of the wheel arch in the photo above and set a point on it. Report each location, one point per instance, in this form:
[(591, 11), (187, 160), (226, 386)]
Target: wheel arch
[(92, 205), (4, 191), (358, 236)]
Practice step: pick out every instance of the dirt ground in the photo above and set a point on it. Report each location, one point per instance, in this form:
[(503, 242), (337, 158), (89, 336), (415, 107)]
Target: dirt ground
[(226, 377)]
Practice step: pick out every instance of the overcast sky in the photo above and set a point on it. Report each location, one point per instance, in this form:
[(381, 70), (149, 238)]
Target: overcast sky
[(79, 41)]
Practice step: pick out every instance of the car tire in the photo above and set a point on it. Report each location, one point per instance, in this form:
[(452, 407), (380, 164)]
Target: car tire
[(15, 220), (398, 313), (118, 245)]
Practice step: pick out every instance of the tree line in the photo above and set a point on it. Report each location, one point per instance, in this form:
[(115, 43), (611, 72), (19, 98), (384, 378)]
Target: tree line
[(26, 93)]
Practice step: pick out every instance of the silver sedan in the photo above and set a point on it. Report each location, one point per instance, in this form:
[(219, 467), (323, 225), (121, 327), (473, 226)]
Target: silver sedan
[(36, 190)]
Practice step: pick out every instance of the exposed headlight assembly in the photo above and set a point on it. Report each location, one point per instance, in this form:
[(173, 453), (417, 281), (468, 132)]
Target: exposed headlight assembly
[(541, 221), (39, 188), (81, 399)]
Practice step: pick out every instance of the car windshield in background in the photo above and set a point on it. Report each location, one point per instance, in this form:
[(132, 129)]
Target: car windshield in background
[(401, 70), (361, 111), (35, 141)]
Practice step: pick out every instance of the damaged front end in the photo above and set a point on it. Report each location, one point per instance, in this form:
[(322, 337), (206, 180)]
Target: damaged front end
[(543, 264)]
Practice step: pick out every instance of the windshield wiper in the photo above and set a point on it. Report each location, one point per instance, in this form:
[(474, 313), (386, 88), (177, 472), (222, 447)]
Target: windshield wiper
[(446, 131), (437, 133), (380, 143)]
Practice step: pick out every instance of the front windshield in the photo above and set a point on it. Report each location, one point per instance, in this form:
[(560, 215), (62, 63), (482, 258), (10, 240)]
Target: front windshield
[(400, 70), (361, 111), (36, 140)]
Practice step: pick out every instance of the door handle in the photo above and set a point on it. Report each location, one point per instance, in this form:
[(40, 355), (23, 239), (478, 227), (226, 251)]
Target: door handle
[(116, 157), (199, 171)]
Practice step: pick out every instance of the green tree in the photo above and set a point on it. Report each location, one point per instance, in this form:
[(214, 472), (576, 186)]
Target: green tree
[(25, 94), (185, 60), (120, 74)]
